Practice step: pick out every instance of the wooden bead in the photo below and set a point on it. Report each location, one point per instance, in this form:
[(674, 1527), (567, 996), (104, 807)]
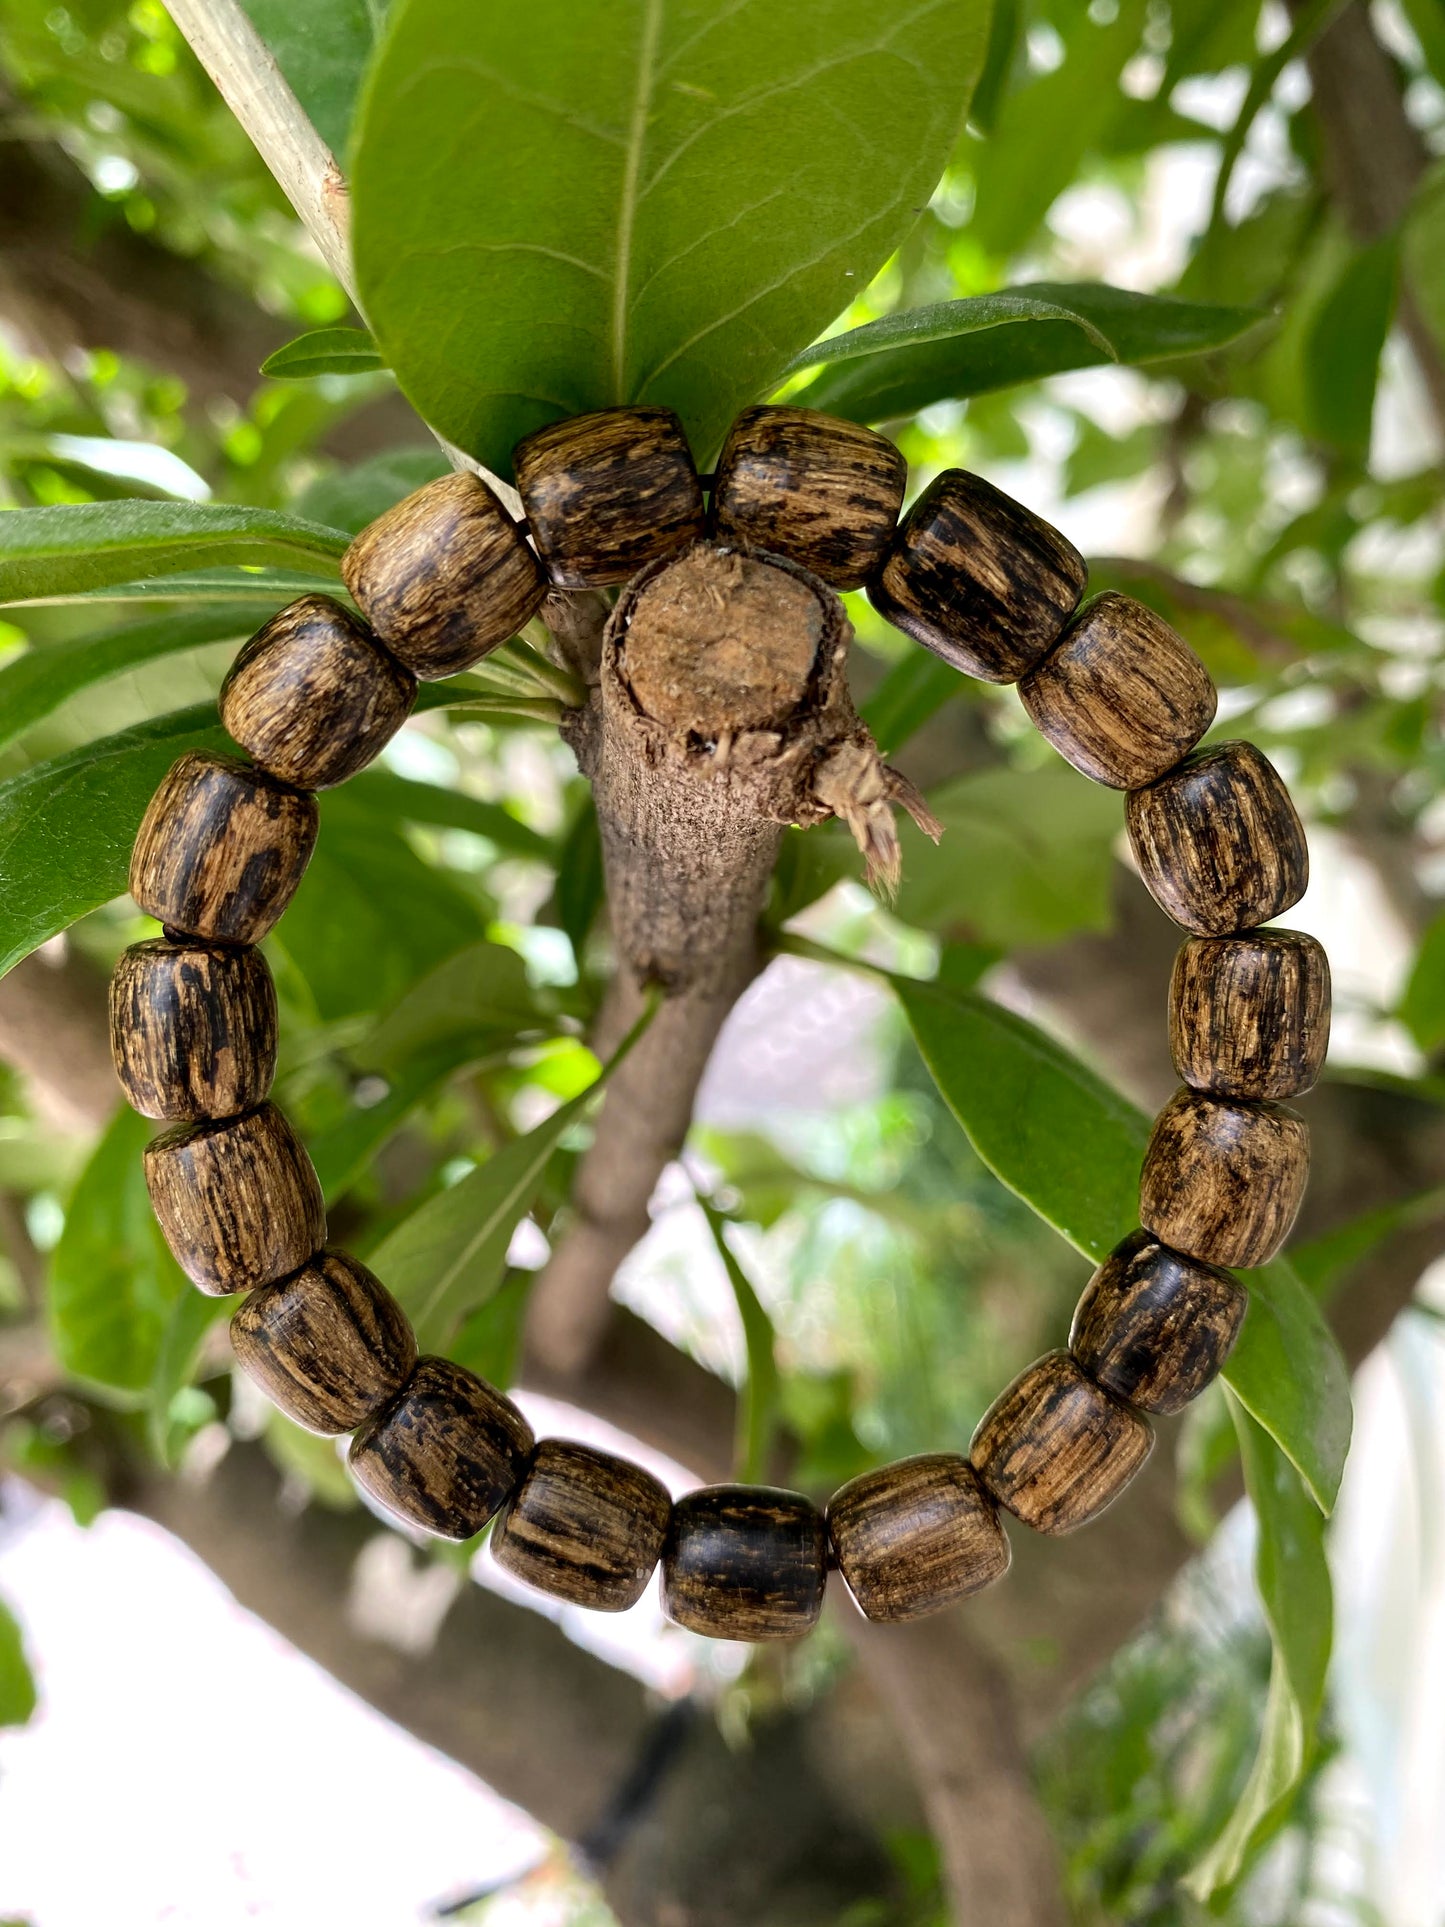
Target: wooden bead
[(329, 1345), (744, 1562), (221, 849), (978, 579), (445, 576), (192, 1029), (446, 1453), (1055, 1448), (1218, 842), (1249, 1017), (313, 696), (238, 1202), (1154, 1327), (916, 1536), (583, 1526), (1224, 1182), (1120, 696), (607, 493), (823, 492)]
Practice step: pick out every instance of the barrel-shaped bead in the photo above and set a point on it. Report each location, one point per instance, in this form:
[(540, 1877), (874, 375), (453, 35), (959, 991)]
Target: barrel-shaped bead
[(221, 849), (978, 579), (445, 576), (1224, 1182), (745, 1562), (584, 1526), (238, 1202), (1120, 696), (607, 493), (915, 1536), (1153, 1326), (446, 1453), (823, 492), (313, 696), (1218, 841), (1056, 1448), (1249, 1017), (192, 1029), (329, 1344)]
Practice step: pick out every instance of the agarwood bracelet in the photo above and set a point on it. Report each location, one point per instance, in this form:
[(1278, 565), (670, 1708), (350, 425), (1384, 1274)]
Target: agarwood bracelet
[(442, 579)]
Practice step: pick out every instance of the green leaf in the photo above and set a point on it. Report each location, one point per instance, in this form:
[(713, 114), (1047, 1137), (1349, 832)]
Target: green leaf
[(67, 826), (35, 685), (401, 799), (17, 1683), (1422, 1008), (581, 884), (1026, 857), (322, 48), (894, 367), (1346, 339), (47, 552), (449, 1256), (478, 999), (640, 200), (344, 1150), (324, 351), (759, 1400), (1294, 1588), (1287, 1371), (191, 1316), (273, 586), (354, 496), (112, 1281), (915, 689), (490, 1340)]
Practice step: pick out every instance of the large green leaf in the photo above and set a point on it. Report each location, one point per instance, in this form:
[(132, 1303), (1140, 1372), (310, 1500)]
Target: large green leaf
[(1343, 348), (759, 1403), (894, 367), (322, 48), (38, 682), (112, 1281), (478, 998), (78, 546), (403, 800), (562, 207), (67, 826), (1071, 1147), (1293, 1578), (17, 1685)]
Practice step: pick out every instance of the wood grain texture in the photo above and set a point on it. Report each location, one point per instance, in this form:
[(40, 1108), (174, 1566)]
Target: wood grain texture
[(1249, 1017), (823, 492), (192, 1029), (1121, 696), (978, 579), (445, 577), (1154, 1327), (1224, 1182), (1055, 1448), (915, 1536), (221, 849), (329, 1345), (446, 1453), (238, 1202), (607, 493), (1218, 842), (584, 1526), (313, 695), (745, 1562)]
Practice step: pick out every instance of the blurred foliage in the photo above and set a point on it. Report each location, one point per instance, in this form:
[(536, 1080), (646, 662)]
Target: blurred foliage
[(1274, 481)]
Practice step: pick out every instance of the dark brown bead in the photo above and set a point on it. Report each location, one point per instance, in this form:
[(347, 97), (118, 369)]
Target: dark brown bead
[(1120, 696), (313, 696), (1224, 1182), (584, 1526), (445, 577), (192, 1029), (446, 1453), (913, 1537), (238, 1202), (823, 492), (329, 1345), (607, 493), (1218, 842), (221, 849), (1055, 1448), (1154, 1327), (745, 1562), (1249, 1017), (979, 579)]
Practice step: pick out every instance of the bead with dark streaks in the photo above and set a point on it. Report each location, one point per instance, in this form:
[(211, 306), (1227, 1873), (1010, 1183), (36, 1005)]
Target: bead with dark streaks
[(192, 1029), (584, 1526), (1224, 1182), (915, 1536), (1155, 1327), (745, 1562), (329, 1345), (1249, 1016), (447, 1452), (1055, 1448)]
